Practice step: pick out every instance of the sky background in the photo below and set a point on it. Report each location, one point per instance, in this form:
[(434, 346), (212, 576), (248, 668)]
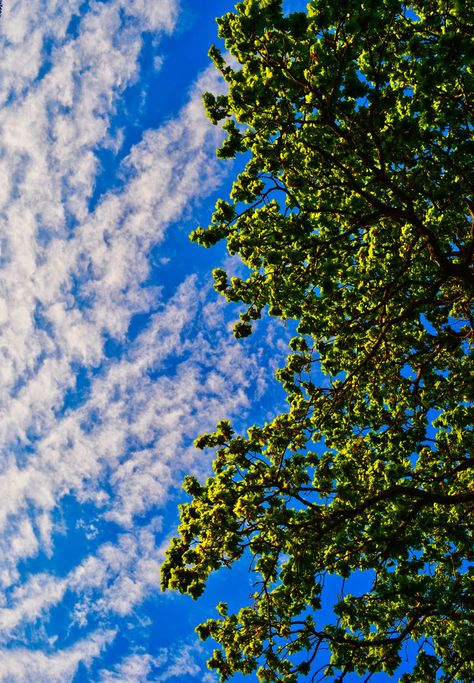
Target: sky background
[(115, 352)]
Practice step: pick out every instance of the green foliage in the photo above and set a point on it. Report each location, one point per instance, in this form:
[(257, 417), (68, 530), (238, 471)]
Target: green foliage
[(354, 216)]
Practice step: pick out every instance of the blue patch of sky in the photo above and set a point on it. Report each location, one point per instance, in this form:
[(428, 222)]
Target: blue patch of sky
[(41, 322), (48, 46), (4, 252), (91, 421), (75, 21), (23, 450), (113, 348), (166, 367), (60, 629), (161, 89), (290, 6), (170, 261), (82, 674), (427, 325), (78, 536), (76, 395), (138, 322)]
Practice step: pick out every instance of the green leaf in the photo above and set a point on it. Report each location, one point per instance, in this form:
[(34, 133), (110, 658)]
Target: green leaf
[(353, 216)]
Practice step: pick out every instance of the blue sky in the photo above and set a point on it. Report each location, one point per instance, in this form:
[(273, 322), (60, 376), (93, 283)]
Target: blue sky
[(115, 351)]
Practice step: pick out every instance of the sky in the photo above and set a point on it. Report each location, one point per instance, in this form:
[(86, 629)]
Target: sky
[(116, 353)]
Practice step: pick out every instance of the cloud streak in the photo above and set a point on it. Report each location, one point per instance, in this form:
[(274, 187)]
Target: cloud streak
[(94, 442)]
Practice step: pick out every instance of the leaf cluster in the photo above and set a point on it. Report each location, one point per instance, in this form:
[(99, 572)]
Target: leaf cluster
[(354, 217)]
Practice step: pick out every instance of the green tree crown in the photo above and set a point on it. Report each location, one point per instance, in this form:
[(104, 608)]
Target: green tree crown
[(354, 217)]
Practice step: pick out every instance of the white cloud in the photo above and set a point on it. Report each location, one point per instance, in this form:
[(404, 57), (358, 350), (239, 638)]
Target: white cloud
[(72, 275), (31, 600), (185, 660), (183, 663), (134, 669), (21, 665)]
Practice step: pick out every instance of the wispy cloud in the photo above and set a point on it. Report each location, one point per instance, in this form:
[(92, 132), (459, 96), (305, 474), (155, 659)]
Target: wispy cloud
[(27, 665), (166, 666), (107, 433)]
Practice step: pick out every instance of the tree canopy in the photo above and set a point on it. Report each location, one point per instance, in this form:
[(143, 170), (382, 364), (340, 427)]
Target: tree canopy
[(354, 217)]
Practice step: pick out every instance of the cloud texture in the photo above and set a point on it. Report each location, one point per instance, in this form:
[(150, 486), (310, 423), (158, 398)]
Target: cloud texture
[(105, 379)]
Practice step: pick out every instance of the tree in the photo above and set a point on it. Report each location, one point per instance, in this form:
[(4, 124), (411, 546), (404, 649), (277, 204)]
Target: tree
[(354, 216)]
